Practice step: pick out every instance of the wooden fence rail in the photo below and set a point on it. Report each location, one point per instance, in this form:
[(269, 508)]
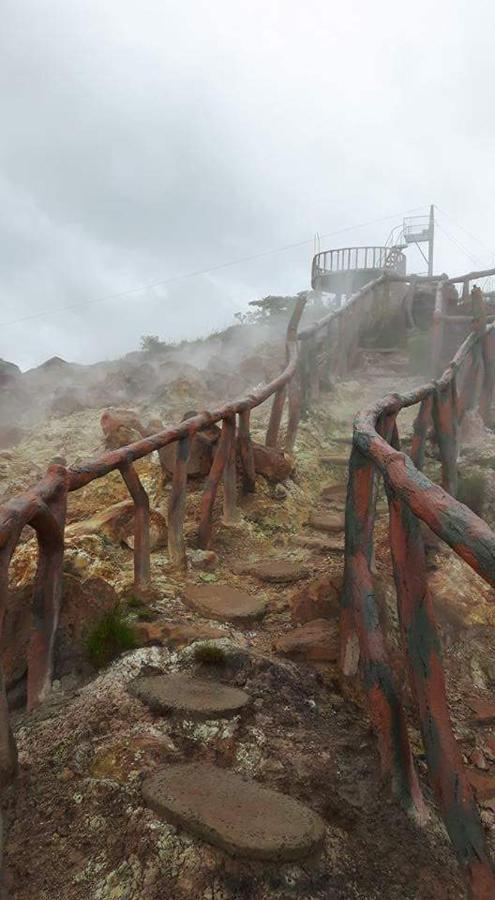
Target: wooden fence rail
[(412, 498), (325, 347)]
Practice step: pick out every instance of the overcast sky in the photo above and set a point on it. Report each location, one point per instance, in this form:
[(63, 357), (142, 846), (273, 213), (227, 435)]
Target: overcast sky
[(145, 140)]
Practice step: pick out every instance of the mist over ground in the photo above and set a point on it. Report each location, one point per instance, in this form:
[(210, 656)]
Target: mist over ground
[(142, 142)]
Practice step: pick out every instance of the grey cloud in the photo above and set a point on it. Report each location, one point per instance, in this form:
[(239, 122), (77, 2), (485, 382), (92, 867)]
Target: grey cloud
[(145, 140)]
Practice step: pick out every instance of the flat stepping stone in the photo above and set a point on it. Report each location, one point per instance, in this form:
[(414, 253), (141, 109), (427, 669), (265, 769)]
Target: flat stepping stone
[(334, 459), (184, 695), (334, 493), (239, 815), (483, 784), (279, 571), (224, 603), (320, 544), (316, 641), (324, 522), (484, 710)]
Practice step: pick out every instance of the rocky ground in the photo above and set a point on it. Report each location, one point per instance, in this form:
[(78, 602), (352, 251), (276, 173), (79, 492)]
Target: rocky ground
[(81, 822)]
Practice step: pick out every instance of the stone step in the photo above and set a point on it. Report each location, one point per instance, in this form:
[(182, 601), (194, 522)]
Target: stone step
[(336, 494), (334, 459), (325, 522), (278, 570), (189, 697), (484, 710), (223, 602), (316, 641), (320, 544), (239, 815)]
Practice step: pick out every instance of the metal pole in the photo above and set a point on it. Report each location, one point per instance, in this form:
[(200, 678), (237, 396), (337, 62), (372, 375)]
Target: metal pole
[(431, 237)]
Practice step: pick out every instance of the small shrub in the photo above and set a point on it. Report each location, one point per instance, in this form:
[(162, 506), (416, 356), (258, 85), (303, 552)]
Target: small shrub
[(151, 343), (209, 577), (110, 637), (210, 655), (134, 603)]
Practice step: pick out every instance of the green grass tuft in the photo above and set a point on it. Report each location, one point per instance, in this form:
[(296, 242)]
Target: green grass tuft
[(210, 655), (110, 637)]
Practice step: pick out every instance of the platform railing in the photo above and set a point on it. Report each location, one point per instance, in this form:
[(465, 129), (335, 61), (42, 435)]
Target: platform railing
[(347, 259)]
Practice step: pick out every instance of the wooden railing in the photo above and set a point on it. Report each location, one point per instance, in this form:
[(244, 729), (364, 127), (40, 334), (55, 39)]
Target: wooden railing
[(44, 506), (325, 348), (413, 498)]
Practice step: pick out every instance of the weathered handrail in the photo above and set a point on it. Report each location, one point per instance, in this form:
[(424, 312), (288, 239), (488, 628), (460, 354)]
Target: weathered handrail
[(413, 497), (43, 507), (326, 346)]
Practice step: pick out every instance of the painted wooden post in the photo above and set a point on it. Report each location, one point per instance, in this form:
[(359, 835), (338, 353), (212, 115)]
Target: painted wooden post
[(141, 526), (360, 612), (211, 488), (49, 523), (246, 452), (488, 354), (342, 345), (294, 417), (421, 426), (466, 397), (481, 355), (277, 409), (314, 372), (177, 505), (8, 749), (304, 374), (408, 303), (422, 647), (444, 412), (438, 330), (230, 511)]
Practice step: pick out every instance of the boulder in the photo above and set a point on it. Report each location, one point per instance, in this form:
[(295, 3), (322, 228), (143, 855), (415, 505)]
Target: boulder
[(121, 427), (117, 524), (200, 457), (273, 464), (83, 605), (318, 599), (316, 641)]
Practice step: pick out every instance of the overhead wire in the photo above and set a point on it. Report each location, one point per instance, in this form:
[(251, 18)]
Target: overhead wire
[(475, 239), (194, 274)]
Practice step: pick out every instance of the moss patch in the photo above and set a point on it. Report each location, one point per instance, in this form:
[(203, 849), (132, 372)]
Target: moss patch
[(110, 637)]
